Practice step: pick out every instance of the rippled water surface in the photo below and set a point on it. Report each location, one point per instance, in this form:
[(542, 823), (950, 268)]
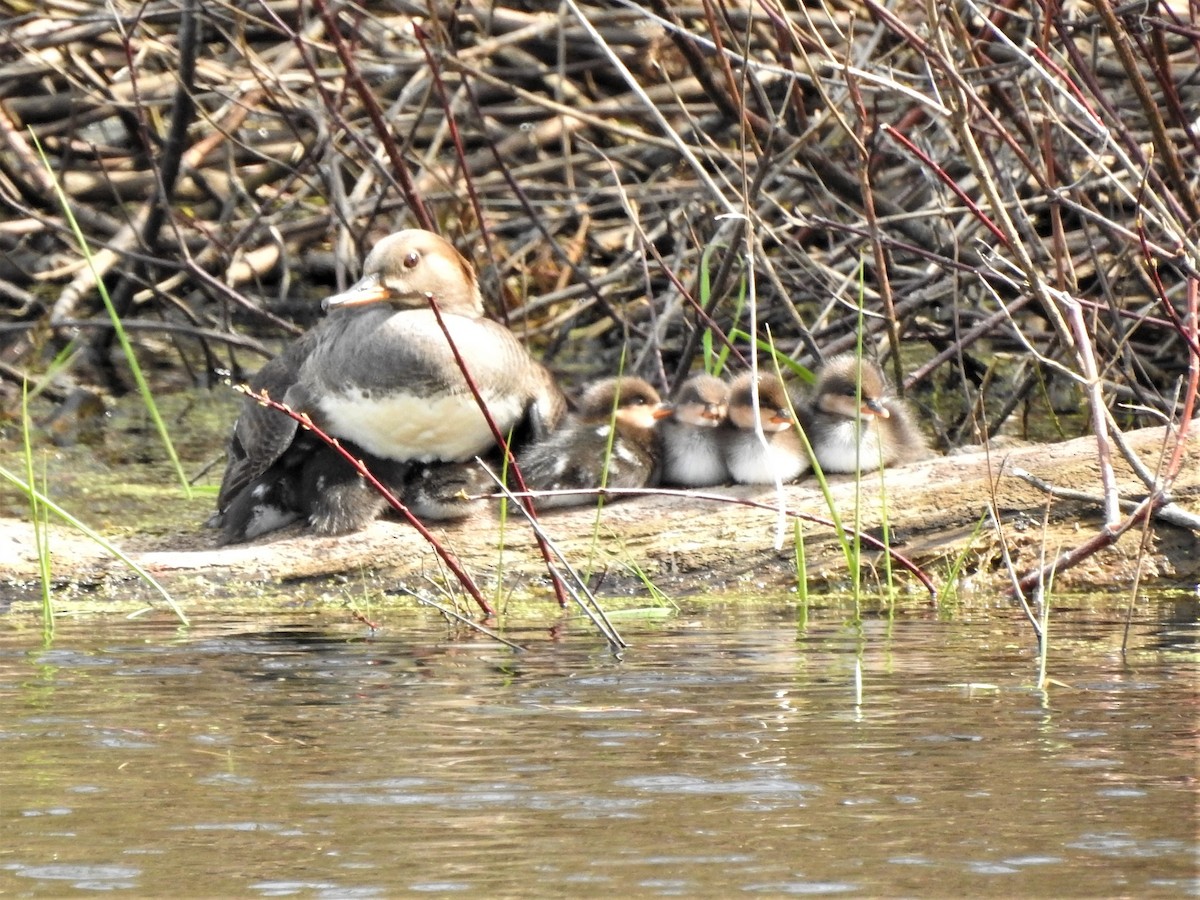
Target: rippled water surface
[(724, 754)]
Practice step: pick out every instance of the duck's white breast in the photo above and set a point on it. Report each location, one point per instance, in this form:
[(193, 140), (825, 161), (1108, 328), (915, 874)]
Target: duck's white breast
[(401, 426)]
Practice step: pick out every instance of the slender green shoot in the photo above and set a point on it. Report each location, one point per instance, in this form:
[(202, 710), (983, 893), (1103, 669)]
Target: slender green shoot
[(122, 338), (856, 571), (711, 363), (779, 359), (715, 358), (604, 463), (949, 590), (503, 523), (28, 489), (1044, 641), (39, 518), (656, 593), (839, 530), (886, 534), (801, 572), (62, 361)]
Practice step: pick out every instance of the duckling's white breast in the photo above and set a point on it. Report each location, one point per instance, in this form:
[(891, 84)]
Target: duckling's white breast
[(693, 456), (837, 449), (752, 463)]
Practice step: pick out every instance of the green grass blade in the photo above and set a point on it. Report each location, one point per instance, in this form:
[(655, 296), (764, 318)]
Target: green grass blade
[(30, 491), (126, 347), (39, 518)]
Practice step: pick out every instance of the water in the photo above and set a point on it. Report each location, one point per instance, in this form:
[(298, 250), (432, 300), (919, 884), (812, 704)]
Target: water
[(725, 754)]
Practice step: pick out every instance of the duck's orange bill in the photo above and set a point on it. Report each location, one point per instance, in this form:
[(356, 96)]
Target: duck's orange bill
[(369, 290)]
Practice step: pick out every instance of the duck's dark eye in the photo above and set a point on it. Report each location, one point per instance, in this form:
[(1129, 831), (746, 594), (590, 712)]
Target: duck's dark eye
[(636, 401), (410, 261)]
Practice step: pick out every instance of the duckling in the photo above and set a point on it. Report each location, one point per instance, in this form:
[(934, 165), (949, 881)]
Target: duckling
[(784, 455), (853, 429), (576, 457), (693, 455)]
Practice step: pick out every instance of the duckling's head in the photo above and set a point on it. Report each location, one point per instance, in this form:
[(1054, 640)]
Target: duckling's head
[(837, 391), (637, 404), (409, 267), (703, 402), (775, 410)]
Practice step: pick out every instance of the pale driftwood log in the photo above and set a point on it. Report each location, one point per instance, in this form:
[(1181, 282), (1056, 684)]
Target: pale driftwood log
[(688, 545)]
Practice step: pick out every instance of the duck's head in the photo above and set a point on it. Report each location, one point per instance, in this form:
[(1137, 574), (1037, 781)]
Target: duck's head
[(775, 410), (409, 267), (637, 404), (838, 394), (703, 402)]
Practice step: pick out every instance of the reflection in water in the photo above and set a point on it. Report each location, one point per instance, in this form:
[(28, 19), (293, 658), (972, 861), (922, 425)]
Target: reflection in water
[(725, 753)]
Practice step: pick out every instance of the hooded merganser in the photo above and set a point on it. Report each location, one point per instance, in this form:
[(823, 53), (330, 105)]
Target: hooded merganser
[(859, 429), (379, 372), (784, 455), (573, 458), (693, 455)]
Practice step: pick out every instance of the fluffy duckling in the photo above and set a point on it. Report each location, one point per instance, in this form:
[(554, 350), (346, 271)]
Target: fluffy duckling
[(859, 429), (693, 455), (748, 459), (574, 457)]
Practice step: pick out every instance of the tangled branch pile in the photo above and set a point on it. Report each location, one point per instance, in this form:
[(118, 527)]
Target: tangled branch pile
[(1007, 193)]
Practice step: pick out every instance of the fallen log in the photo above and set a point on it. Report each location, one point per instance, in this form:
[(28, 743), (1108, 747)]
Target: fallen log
[(683, 544)]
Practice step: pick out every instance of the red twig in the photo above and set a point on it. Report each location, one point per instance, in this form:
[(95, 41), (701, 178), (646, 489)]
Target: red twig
[(1106, 537), (460, 573), (874, 542), (371, 105), (502, 443), (456, 136), (945, 178)]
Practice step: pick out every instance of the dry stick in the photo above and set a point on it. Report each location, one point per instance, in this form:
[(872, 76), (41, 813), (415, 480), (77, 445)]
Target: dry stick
[(448, 111), (1158, 128), (591, 608), (880, 256), (986, 328), (1124, 146), (359, 466), (1058, 305), (1106, 537), (1011, 569), (948, 181), (874, 542), (697, 168), (501, 442), (1169, 512), (371, 105), (1160, 63), (538, 221), (702, 314), (1188, 334), (451, 614), (167, 327), (1085, 353), (1055, 304), (127, 237)]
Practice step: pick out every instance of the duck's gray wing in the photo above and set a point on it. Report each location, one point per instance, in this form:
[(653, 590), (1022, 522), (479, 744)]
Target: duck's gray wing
[(261, 434)]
